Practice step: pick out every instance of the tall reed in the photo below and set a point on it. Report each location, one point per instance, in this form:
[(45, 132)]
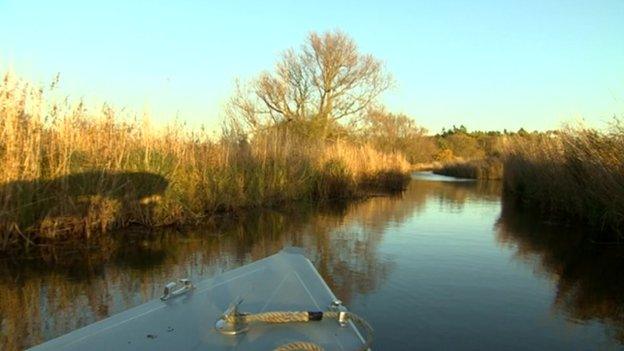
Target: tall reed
[(485, 169), (573, 175), (69, 171)]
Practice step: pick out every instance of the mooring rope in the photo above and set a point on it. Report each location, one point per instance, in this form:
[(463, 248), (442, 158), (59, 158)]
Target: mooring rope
[(304, 316), (300, 346)]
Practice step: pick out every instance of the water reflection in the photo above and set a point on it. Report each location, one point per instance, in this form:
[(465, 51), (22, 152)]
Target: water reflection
[(431, 250), (453, 193), (588, 276), (40, 299)]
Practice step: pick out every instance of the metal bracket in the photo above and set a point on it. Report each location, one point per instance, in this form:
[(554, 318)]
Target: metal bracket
[(230, 322), (175, 289), (337, 306)]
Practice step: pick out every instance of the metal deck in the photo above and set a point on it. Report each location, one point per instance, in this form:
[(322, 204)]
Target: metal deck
[(286, 281)]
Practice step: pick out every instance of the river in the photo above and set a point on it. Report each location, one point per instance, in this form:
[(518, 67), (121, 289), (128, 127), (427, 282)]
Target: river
[(444, 265)]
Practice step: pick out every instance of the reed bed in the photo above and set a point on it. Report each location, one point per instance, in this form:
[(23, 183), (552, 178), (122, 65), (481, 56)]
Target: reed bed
[(426, 166), (484, 169), (575, 175), (69, 172)]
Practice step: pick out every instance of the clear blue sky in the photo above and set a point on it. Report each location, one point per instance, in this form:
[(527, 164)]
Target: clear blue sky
[(485, 64)]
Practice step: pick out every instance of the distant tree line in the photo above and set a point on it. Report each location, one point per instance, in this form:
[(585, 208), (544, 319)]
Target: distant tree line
[(400, 133)]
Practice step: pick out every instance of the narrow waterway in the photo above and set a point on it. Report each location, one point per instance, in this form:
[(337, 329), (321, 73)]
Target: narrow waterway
[(444, 265)]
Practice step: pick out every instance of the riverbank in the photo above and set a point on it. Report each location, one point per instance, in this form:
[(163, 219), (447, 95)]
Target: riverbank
[(70, 172), (483, 169), (572, 176)]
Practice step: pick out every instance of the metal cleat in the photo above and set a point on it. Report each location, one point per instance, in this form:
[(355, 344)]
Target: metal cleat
[(230, 322), (174, 289), (337, 306)]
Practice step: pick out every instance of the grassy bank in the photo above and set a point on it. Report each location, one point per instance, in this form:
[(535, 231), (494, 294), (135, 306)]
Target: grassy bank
[(489, 168), (70, 172), (576, 175)]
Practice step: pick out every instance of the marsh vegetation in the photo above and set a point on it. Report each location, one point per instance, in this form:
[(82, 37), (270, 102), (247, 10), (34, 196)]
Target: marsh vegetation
[(71, 171), (574, 176)]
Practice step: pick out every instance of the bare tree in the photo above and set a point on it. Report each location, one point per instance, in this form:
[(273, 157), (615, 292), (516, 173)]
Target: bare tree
[(326, 81)]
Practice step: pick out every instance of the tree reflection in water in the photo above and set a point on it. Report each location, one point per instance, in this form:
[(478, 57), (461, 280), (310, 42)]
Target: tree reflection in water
[(588, 276), (44, 298), (41, 299)]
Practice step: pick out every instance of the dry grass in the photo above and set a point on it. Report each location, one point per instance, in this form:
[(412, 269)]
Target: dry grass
[(426, 166), (490, 168), (574, 175), (68, 171)]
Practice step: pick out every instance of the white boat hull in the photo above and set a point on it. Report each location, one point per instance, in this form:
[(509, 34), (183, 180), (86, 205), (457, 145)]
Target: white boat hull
[(286, 281)]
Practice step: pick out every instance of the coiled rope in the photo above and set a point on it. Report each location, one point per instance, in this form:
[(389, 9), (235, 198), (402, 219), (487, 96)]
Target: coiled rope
[(303, 316)]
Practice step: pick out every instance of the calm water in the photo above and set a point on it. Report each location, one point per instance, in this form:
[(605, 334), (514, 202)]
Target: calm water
[(444, 265)]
